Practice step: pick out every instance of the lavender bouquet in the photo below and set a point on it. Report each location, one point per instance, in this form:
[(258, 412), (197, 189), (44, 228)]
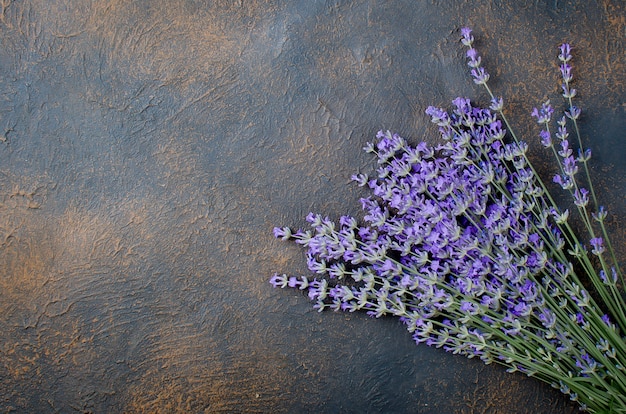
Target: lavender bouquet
[(463, 242)]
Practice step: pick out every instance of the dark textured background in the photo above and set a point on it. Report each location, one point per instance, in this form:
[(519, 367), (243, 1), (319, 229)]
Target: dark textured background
[(149, 147)]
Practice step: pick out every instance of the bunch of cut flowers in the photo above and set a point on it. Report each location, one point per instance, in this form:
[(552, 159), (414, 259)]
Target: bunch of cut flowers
[(465, 245)]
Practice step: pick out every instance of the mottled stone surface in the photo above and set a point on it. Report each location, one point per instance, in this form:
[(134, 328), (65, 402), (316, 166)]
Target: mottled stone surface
[(147, 148)]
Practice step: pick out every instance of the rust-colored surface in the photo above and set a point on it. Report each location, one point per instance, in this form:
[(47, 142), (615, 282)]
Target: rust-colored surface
[(147, 148)]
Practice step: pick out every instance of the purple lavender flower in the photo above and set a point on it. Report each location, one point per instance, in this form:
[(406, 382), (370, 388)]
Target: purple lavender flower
[(581, 197), (543, 114), (360, 179), (284, 233), (569, 165), (480, 75), (474, 58), (468, 307), (314, 219), (583, 156), (587, 364), (600, 215), (565, 150), (564, 181), (597, 245), (546, 140), (318, 289), (573, 112), (566, 72), (438, 116), (565, 54), (279, 280), (315, 264), (568, 92), (562, 133), (467, 38), (497, 104), (348, 223), (547, 318)]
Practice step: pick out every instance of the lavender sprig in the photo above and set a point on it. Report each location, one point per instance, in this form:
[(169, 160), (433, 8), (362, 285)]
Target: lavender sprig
[(464, 244), (573, 113)]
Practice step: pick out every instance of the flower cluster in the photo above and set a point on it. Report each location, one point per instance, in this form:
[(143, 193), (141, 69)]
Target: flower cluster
[(463, 243)]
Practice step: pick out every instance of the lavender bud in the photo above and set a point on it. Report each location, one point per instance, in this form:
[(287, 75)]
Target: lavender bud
[(467, 38), (304, 282), (560, 218), (573, 113), (438, 116), (569, 165), (565, 54), (474, 58), (564, 181), (546, 140), (360, 179), (283, 233), (348, 222), (565, 150), (543, 114), (581, 197), (337, 270), (597, 246), (480, 76), (317, 266), (293, 282), (584, 156), (496, 104), (600, 215), (568, 92), (314, 219), (566, 72), (279, 280)]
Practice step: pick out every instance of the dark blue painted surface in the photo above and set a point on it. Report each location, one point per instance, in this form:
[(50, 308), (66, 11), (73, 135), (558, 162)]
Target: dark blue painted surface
[(148, 148)]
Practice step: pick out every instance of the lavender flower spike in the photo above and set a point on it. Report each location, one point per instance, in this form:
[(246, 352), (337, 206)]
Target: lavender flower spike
[(478, 72)]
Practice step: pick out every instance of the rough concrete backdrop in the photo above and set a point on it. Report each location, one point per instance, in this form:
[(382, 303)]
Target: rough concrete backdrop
[(147, 148)]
